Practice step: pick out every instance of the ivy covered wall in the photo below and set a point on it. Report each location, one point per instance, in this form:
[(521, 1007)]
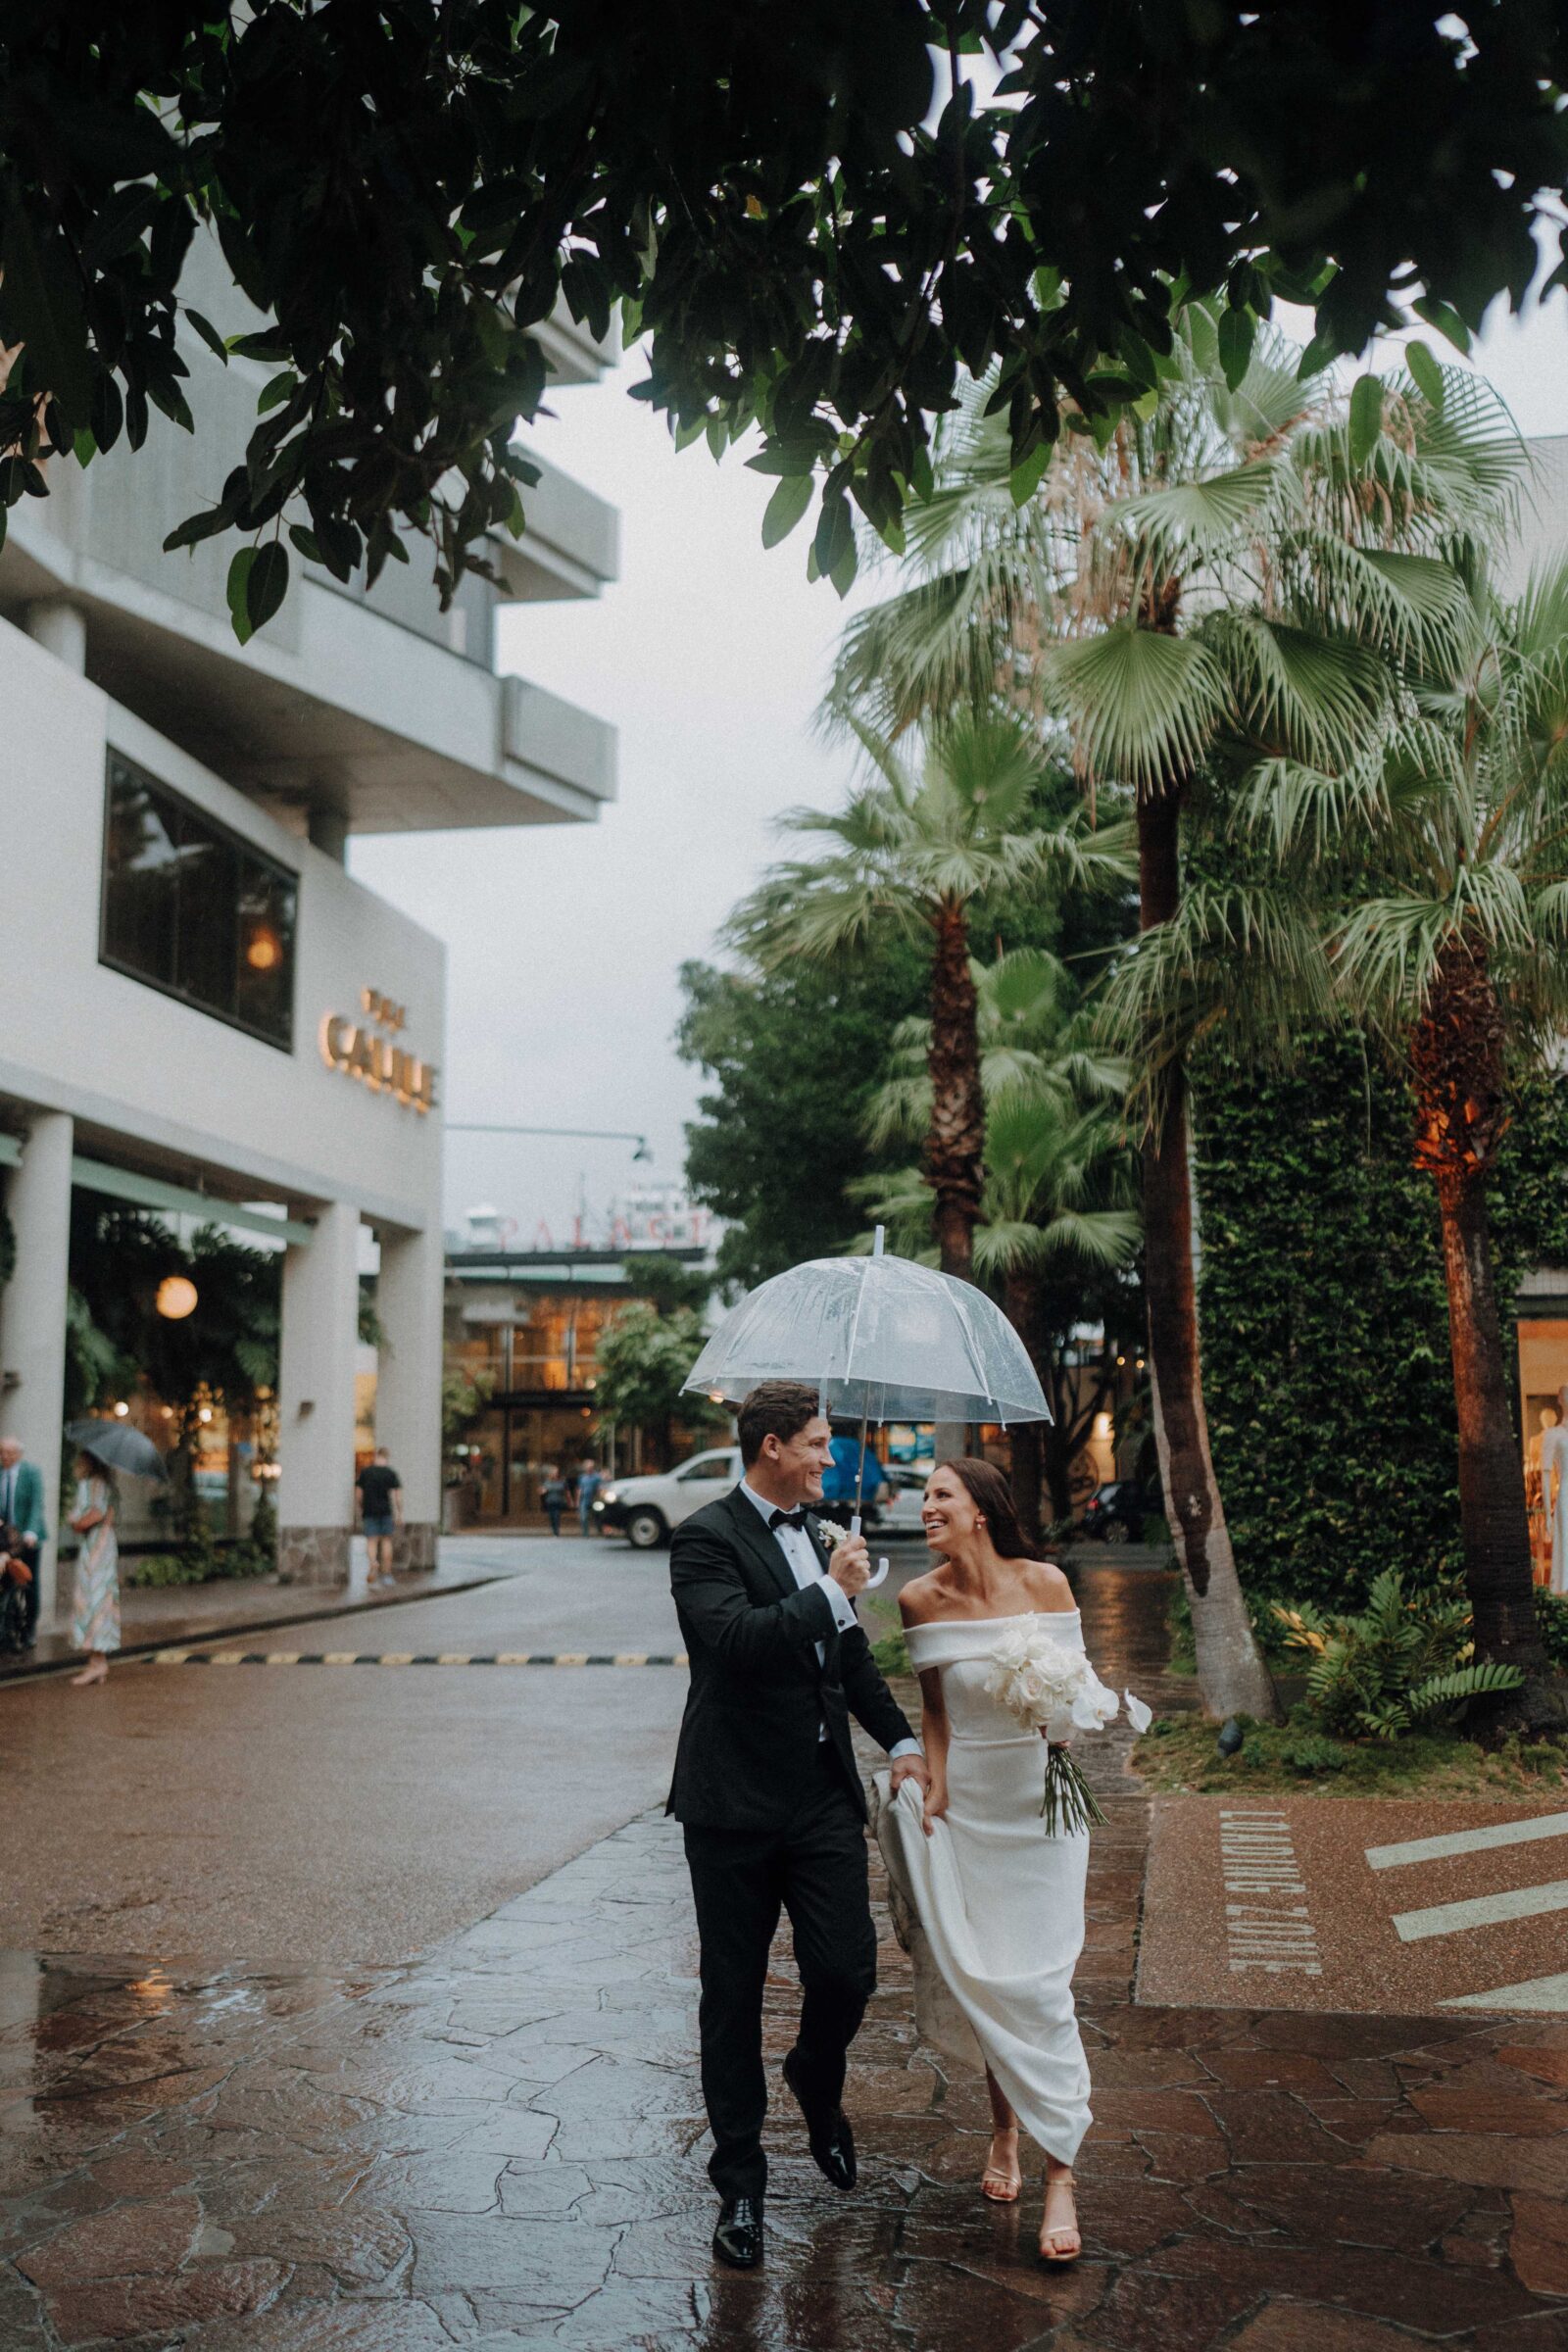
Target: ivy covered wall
[(1324, 1321)]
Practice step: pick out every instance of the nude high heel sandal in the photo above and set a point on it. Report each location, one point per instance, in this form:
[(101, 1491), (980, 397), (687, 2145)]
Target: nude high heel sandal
[(1002, 2183), (1051, 2235)]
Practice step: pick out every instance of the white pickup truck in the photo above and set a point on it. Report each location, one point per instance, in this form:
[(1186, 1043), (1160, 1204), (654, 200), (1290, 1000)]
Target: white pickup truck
[(646, 1510)]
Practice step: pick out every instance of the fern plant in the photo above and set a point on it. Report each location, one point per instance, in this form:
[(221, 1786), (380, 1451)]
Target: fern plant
[(1404, 1663)]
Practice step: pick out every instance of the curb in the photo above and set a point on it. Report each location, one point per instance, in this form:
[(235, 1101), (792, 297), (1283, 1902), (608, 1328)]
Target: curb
[(410, 1658), (258, 1625)]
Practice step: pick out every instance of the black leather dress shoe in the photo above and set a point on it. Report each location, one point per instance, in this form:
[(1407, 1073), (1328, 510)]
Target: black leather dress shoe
[(832, 2142), (738, 2239)]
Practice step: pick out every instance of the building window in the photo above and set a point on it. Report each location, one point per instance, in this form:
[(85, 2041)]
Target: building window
[(194, 909)]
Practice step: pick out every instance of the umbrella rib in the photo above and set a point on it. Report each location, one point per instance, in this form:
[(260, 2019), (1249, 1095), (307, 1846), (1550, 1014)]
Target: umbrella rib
[(984, 1389), (854, 1327)]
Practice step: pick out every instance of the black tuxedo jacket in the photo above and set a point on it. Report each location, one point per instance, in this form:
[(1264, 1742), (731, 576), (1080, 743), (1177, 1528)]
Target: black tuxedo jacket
[(748, 1737)]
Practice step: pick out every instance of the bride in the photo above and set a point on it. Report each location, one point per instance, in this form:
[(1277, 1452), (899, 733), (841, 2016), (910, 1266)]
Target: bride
[(1000, 1901)]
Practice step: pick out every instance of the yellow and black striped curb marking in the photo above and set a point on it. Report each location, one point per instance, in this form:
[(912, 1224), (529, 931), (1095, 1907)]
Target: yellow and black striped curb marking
[(408, 1657)]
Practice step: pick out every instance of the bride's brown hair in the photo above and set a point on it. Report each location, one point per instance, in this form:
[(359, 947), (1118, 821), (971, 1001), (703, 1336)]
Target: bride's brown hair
[(991, 1496)]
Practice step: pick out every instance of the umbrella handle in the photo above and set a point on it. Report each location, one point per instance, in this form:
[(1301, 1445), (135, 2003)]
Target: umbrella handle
[(871, 1582)]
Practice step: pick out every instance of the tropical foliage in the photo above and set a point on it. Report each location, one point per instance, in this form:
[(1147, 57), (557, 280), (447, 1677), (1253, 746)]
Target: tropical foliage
[(643, 1359), (816, 229), (922, 858), (789, 1056), (1401, 1664), (1059, 1227), (1427, 874)]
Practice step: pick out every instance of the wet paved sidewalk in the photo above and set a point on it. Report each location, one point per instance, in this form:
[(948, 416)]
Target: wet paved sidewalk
[(500, 2144)]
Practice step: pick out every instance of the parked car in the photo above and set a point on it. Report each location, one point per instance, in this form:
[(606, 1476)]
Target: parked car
[(1115, 1512), (645, 1509), (899, 1503)]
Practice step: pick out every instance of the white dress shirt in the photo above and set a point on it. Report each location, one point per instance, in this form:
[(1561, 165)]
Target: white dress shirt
[(806, 1569)]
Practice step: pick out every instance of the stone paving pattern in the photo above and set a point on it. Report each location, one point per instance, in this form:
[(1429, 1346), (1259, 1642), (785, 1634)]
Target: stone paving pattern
[(502, 2144)]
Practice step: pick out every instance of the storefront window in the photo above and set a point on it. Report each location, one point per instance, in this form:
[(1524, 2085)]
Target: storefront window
[(1543, 1421), (191, 909)]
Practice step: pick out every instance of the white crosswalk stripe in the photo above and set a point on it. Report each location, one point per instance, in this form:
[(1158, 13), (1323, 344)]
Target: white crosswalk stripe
[(1481, 1911), (1468, 1841), (1542, 1995), (1536, 1992)]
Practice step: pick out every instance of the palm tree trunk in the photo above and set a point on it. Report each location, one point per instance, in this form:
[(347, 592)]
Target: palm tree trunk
[(1019, 1304), (955, 1144), (1231, 1672), (1458, 1063)]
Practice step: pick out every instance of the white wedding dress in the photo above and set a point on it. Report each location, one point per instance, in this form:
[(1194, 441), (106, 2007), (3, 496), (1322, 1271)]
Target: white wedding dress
[(1001, 1903)]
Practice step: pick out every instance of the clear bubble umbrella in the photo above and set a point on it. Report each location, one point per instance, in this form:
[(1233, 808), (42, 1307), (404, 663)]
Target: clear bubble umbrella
[(880, 1338)]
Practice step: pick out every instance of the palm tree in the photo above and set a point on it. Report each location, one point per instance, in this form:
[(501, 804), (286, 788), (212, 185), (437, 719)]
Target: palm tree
[(1227, 567), (925, 856), (1449, 941), (1059, 1205)]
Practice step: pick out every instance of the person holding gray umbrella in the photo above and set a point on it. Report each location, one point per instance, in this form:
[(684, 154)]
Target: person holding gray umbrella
[(102, 1447)]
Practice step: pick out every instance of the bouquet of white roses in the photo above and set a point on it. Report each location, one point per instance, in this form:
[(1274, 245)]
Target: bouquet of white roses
[(1052, 1689)]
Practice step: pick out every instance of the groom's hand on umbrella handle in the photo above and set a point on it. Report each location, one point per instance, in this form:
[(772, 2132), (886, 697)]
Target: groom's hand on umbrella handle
[(852, 1566)]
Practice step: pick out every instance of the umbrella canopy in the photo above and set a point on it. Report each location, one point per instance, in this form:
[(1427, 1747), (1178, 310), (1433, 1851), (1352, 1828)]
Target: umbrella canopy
[(119, 1447), (881, 1339)]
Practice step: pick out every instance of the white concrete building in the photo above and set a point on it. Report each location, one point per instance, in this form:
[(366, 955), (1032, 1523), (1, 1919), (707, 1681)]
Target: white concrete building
[(202, 1011)]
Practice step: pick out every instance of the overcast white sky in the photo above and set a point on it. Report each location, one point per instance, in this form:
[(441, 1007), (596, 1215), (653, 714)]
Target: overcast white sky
[(565, 942)]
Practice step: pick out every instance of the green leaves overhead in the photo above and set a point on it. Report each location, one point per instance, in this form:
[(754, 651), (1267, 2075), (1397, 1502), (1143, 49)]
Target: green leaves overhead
[(785, 507), (819, 219), (40, 308)]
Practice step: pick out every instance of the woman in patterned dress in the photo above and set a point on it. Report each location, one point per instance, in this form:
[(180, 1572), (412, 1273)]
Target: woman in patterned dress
[(95, 1615)]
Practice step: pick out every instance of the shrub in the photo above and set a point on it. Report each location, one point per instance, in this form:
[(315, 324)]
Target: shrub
[(1309, 1752), (1405, 1661), (1552, 1613)]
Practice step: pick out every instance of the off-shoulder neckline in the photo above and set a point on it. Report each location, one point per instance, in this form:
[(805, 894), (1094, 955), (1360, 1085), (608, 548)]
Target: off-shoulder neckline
[(1016, 1617)]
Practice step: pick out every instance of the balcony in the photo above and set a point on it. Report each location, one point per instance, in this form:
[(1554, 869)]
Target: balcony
[(374, 705)]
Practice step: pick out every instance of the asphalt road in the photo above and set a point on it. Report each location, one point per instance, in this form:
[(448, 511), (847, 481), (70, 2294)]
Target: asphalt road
[(311, 1816), (315, 1816)]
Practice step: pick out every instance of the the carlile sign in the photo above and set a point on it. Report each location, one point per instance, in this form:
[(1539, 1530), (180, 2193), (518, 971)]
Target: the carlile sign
[(365, 1049)]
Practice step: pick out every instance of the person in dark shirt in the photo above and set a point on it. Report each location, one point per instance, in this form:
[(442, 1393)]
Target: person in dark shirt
[(380, 1493)]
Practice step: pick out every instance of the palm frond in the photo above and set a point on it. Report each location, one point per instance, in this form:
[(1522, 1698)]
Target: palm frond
[(1143, 707)]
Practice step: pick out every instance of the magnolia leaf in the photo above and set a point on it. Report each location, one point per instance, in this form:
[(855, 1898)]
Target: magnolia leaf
[(1366, 417), (41, 309), (239, 573), (1237, 332), (785, 507), (1029, 472), (208, 333), (266, 584), (197, 527), (1445, 319), (1424, 373)]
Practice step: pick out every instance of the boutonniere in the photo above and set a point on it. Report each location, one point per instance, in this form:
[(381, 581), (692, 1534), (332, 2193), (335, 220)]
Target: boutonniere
[(829, 1535)]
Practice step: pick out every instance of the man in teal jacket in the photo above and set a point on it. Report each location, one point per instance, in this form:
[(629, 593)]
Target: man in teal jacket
[(22, 1507)]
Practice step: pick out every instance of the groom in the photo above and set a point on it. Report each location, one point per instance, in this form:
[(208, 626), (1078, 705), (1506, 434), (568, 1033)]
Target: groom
[(767, 1792)]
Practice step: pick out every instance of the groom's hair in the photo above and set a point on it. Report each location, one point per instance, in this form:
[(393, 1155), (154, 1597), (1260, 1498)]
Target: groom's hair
[(776, 1409)]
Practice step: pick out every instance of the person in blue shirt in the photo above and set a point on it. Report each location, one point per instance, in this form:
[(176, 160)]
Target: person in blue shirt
[(840, 1479)]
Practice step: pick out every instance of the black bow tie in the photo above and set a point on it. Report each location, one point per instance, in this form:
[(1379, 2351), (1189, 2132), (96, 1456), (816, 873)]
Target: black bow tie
[(795, 1519)]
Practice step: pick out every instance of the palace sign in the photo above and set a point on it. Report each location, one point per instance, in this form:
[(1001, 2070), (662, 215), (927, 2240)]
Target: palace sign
[(364, 1049)]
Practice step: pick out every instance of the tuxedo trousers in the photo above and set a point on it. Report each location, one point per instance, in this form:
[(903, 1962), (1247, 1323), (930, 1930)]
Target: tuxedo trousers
[(814, 1869)]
